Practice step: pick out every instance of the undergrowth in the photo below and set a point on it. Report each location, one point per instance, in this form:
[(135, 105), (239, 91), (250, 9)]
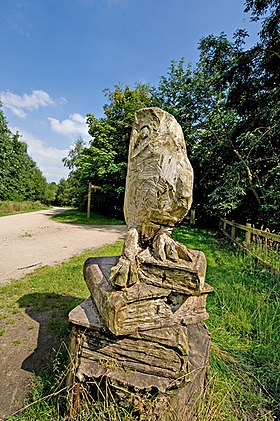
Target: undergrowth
[(8, 207)]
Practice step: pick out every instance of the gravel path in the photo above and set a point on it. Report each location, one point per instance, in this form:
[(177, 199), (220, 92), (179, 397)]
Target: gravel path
[(30, 240)]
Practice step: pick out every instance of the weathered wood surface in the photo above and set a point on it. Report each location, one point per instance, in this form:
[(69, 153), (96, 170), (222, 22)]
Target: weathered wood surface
[(153, 358), (158, 194), (138, 365), (160, 177), (86, 315), (142, 330), (184, 401), (254, 243), (141, 307), (266, 234), (183, 276)]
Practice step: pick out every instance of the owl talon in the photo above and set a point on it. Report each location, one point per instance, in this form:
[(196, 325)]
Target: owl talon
[(166, 248), (124, 274), (120, 273), (183, 252)]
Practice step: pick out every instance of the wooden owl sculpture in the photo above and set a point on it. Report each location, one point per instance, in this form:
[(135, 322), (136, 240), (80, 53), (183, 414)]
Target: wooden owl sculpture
[(158, 193)]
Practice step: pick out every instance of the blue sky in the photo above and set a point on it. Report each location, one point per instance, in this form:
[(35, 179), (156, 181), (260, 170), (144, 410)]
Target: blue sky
[(57, 56)]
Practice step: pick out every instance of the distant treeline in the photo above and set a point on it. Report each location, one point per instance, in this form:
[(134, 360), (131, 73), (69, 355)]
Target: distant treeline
[(20, 178)]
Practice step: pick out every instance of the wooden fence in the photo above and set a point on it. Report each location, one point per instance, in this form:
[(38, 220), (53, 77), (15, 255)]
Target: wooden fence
[(261, 245)]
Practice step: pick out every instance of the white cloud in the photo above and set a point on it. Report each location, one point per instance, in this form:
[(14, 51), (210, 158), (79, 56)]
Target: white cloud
[(19, 104), (47, 158), (74, 125)]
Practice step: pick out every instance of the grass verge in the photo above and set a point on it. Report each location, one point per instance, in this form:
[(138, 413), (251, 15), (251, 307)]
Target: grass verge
[(8, 207), (59, 287), (244, 381), (75, 216)]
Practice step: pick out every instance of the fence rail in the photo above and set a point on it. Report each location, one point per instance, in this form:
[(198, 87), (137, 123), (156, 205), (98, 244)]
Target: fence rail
[(262, 245)]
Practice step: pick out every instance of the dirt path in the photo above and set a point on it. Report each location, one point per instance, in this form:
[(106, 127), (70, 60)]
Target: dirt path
[(30, 240), (27, 241)]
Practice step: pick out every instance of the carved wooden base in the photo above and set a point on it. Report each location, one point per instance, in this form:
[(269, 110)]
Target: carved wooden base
[(165, 367), (142, 306), (147, 342)]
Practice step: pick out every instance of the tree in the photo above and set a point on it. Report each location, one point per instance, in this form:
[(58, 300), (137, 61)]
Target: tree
[(257, 77), (63, 194), (231, 130), (50, 193), (104, 161), (228, 107), (197, 97), (20, 178)]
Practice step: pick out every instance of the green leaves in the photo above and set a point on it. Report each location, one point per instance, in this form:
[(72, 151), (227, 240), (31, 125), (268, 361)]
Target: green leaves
[(228, 107), (104, 161), (20, 178)]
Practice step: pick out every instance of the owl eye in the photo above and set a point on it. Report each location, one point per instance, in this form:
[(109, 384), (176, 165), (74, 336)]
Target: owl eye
[(144, 132), (141, 139)]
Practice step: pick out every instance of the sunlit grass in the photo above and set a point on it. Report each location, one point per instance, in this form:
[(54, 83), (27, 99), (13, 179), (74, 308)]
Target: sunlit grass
[(51, 287), (75, 216), (267, 251), (245, 328)]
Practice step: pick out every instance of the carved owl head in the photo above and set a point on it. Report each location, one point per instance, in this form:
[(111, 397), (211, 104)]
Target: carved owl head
[(159, 178)]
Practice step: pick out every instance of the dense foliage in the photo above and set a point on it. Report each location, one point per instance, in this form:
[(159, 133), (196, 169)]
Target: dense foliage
[(20, 178), (232, 129), (228, 107)]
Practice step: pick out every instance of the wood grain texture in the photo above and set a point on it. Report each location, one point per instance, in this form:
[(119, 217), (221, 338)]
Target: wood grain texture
[(160, 177), (145, 306), (158, 194), (136, 366)]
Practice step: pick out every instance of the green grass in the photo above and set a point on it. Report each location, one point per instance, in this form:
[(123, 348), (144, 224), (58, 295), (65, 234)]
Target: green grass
[(75, 216), (51, 288), (8, 207), (244, 380), (267, 251), (244, 325), (55, 290)]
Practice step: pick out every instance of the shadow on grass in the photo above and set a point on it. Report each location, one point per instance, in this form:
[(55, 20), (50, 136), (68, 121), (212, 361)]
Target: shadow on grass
[(51, 312)]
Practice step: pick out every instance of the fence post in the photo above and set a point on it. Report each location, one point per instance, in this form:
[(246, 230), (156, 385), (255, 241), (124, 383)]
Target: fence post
[(192, 217), (225, 225), (232, 231), (248, 235)]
